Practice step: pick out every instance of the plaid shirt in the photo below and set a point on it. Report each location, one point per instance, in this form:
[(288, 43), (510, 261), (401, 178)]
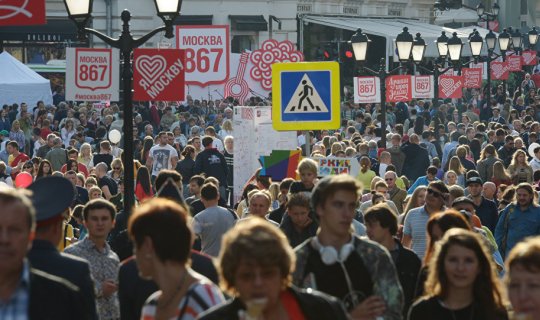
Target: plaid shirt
[(16, 307)]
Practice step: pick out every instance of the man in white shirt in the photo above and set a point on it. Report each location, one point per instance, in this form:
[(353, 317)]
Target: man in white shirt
[(161, 156)]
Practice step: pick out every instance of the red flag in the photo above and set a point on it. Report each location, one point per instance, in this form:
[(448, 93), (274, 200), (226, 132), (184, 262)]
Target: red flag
[(398, 88), (158, 74), (499, 70), (472, 77), (22, 12), (450, 86)]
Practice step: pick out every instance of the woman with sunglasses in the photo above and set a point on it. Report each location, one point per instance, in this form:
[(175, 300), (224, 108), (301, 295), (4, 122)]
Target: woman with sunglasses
[(462, 283), (117, 171)]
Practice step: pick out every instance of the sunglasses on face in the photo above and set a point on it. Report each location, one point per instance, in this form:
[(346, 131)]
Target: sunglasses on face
[(435, 193)]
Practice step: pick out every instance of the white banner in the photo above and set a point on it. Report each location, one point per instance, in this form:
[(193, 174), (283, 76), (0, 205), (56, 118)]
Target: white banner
[(423, 87), (207, 53), (367, 90), (254, 137), (92, 74)]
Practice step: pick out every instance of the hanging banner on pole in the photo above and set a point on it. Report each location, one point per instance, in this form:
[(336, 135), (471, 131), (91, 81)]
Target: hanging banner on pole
[(158, 74), (472, 77), (398, 88), (514, 63), (480, 65), (22, 13), (207, 53), (529, 58), (423, 87), (450, 87), (92, 74), (367, 90), (499, 70)]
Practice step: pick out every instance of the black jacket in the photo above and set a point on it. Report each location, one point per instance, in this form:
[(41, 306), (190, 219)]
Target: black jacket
[(314, 305), (407, 266), (133, 291), (54, 298), (416, 161), (213, 164), (45, 257)]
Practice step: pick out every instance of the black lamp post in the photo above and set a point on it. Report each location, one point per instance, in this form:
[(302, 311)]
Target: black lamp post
[(404, 45), (533, 37), (448, 49), (80, 11), (487, 16)]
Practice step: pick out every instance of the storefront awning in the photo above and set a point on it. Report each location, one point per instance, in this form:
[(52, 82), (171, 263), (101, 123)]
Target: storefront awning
[(389, 28), (53, 31), (190, 20), (248, 23)]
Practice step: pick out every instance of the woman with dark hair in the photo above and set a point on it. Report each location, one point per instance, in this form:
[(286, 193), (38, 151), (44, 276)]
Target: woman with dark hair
[(488, 157), (476, 149), (186, 167), (143, 186), (162, 240), (72, 165), (255, 265), (148, 143), (44, 170), (462, 283)]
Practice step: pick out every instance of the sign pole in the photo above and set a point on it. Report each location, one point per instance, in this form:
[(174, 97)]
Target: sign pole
[(308, 144), (129, 183)]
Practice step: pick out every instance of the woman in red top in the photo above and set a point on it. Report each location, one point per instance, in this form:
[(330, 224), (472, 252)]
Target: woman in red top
[(143, 187)]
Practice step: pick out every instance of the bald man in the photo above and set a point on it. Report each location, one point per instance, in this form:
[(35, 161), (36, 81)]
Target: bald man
[(489, 191)]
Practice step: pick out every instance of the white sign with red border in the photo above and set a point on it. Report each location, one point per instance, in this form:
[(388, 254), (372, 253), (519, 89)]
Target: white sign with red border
[(423, 87), (207, 53), (92, 74), (367, 90)]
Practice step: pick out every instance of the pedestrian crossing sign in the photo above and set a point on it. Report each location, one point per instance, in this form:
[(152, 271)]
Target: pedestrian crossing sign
[(305, 96)]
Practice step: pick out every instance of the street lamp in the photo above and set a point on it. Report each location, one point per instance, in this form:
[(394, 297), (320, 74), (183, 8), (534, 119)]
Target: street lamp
[(404, 44), (80, 11), (454, 48), (504, 41), (487, 16), (517, 40), (533, 37), (418, 48), (442, 45)]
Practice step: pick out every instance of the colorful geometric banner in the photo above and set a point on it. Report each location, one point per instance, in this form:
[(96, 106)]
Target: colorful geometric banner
[(280, 164)]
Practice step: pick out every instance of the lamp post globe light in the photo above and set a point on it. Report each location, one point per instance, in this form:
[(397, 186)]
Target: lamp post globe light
[(404, 44), (504, 42), (476, 43), (487, 16), (533, 37), (80, 12), (442, 45), (455, 45)]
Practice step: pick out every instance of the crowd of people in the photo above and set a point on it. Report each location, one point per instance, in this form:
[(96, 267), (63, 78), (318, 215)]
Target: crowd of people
[(439, 223)]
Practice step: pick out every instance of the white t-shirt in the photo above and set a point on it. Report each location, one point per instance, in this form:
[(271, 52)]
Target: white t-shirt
[(162, 158)]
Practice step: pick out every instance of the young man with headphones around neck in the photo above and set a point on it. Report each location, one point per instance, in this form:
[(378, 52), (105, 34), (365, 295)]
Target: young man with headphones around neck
[(358, 271)]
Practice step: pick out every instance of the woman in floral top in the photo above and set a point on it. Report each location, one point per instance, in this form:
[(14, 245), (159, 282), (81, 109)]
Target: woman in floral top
[(162, 238)]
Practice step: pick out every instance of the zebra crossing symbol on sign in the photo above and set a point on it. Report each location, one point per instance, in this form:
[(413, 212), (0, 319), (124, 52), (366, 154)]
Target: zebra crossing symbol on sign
[(306, 98)]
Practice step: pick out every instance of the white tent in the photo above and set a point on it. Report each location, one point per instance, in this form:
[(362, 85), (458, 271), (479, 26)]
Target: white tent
[(456, 15), (18, 83)]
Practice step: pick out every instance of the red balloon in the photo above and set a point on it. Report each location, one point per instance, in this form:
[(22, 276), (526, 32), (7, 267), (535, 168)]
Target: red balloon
[(23, 180)]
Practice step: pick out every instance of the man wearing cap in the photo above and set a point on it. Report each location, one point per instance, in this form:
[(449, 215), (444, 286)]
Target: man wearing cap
[(486, 210), (4, 137), (50, 231), (497, 116), (27, 292)]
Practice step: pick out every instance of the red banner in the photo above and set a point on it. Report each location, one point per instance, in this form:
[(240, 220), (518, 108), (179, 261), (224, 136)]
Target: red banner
[(22, 12), (398, 88), (450, 87), (514, 63), (158, 74), (529, 58), (472, 77), (499, 70)]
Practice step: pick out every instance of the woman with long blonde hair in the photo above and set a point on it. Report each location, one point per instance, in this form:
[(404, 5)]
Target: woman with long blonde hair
[(455, 165), (519, 169), (85, 155)]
